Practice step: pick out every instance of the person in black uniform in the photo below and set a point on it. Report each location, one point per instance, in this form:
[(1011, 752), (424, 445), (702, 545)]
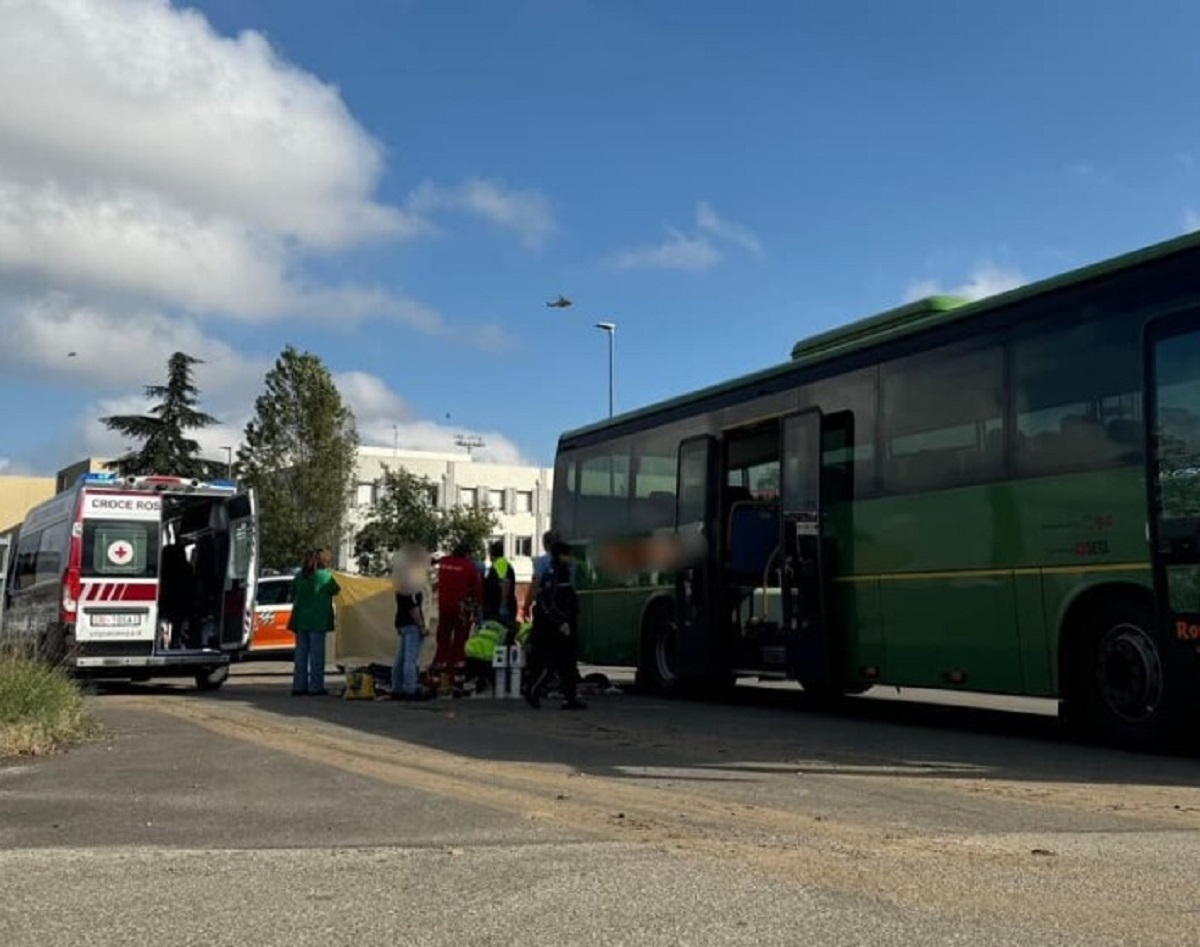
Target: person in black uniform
[(555, 632)]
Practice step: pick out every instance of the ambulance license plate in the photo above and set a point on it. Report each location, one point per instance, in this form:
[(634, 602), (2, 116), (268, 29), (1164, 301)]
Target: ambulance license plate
[(114, 620)]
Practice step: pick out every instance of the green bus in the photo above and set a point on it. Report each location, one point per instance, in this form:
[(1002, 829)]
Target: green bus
[(947, 495)]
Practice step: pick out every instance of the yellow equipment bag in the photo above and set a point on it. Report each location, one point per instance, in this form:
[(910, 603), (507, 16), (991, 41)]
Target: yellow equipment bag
[(360, 685)]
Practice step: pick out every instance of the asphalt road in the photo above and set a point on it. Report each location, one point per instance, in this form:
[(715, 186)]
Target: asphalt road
[(250, 817)]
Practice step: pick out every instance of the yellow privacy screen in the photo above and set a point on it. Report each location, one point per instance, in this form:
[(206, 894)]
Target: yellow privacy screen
[(366, 622)]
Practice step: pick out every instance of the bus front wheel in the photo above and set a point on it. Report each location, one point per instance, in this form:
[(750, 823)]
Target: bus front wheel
[(1117, 687), (656, 669)]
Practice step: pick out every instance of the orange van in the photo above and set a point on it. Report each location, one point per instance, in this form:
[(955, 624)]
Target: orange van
[(272, 612)]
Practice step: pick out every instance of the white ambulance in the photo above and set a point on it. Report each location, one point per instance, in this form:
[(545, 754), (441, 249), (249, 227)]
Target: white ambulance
[(136, 577)]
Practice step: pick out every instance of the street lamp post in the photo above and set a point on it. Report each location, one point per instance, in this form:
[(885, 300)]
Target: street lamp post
[(610, 328), (228, 462)]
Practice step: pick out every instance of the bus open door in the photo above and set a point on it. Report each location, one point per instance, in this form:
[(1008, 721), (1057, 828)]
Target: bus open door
[(1165, 673), (699, 657), (810, 655)]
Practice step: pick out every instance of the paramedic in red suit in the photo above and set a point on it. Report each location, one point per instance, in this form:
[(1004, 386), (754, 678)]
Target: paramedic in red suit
[(460, 593)]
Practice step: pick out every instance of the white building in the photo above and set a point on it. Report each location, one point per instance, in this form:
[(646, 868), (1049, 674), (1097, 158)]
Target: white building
[(519, 496)]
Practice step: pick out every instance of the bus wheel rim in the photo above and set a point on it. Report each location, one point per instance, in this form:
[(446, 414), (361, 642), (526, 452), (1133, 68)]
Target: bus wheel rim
[(1129, 673)]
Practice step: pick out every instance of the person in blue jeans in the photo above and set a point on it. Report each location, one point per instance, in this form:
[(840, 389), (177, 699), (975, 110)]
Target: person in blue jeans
[(313, 591), (410, 623)]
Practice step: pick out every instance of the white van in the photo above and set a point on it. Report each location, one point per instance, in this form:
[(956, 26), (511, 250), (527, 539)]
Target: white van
[(133, 577)]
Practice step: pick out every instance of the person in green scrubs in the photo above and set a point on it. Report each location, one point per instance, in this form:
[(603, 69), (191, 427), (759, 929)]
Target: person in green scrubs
[(313, 592)]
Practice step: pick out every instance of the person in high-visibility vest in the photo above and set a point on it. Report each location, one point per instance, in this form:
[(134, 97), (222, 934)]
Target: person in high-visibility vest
[(500, 588), (480, 649)]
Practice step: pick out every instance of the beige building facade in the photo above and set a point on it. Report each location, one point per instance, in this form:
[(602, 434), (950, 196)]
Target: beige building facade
[(18, 495)]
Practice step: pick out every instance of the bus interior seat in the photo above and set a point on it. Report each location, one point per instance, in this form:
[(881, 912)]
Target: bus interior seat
[(752, 537)]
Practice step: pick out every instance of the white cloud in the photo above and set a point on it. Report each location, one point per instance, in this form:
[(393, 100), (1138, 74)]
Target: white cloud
[(676, 252), (154, 175), (138, 91), (120, 353), (708, 219), (145, 158), (116, 351), (694, 252), (986, 279), (386, 420), (525, 212)]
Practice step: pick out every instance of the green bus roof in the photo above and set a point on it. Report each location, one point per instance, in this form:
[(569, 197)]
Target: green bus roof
[(902, 321), (898, 321)]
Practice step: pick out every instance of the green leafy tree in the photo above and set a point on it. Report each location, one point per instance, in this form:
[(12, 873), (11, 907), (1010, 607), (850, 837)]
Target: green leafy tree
[(299, 456), (166, 447), (469, 525), (405, 511)]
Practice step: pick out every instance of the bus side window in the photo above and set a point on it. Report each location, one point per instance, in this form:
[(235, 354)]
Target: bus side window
[(602, 507), (943, 411), (563, 496), (837, 458), (1078, 396)]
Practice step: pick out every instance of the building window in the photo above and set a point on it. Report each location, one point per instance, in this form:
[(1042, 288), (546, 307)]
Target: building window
[(432, 494), (523, 501), (496, 500), (365, 496), (523, 546), (468, 496)]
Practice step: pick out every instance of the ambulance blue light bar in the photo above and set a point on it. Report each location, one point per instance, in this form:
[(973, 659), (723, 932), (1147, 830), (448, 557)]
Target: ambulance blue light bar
[(98, 478), (155, 483)]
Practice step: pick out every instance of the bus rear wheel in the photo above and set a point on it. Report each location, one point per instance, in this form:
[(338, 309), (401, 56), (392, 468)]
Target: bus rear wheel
[(1118, 689)]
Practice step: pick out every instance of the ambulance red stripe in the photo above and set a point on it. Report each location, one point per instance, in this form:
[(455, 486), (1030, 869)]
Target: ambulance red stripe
[(95, 592)]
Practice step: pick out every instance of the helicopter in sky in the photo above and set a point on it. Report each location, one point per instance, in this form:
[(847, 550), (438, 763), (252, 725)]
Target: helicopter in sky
[(560, 303)]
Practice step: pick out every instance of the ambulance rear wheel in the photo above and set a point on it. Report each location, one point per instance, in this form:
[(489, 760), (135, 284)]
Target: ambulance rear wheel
[(211, 679)]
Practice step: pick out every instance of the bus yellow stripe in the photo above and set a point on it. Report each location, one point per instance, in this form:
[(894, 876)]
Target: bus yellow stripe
[(996, 573), (928, 576)]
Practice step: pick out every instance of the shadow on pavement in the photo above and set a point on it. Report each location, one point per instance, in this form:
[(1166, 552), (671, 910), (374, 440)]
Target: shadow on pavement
[(758, 733)]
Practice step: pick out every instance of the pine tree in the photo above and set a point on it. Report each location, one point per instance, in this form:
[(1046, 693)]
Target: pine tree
[(299, 456), (166, 447)]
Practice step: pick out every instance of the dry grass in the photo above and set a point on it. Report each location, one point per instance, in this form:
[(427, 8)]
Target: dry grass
[(41, 708)]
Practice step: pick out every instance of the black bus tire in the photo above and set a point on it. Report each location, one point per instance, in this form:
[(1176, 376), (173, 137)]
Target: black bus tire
[(1117, 690), (656, 665)]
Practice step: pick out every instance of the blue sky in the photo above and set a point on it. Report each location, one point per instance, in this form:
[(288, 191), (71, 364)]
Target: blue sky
[(399, 185)]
